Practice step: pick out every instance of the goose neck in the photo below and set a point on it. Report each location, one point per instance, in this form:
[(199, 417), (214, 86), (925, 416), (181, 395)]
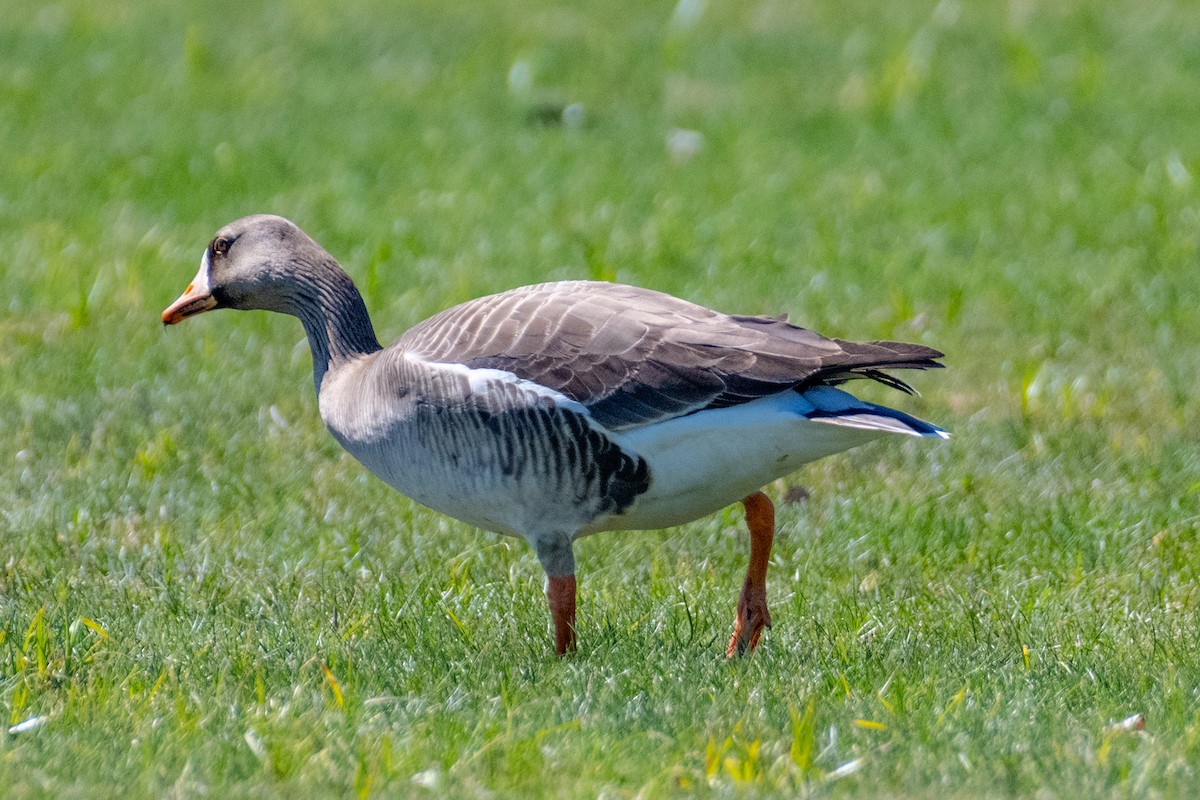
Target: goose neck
[(335, 319)]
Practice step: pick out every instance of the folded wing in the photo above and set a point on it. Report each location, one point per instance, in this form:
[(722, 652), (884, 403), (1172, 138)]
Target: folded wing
[(634, 356)]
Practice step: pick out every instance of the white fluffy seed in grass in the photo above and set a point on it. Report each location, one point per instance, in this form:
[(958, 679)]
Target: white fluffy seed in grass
[(574, 115), (684, 144), (847, 769), (31, 724), (256, 745), (1176, 171), (1134, 722), (429, 778)]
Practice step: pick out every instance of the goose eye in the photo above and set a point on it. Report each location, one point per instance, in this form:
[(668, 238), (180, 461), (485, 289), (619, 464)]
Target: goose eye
[(219, 246)]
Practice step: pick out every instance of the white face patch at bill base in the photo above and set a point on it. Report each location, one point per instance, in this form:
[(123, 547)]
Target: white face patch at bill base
[(201, 283)]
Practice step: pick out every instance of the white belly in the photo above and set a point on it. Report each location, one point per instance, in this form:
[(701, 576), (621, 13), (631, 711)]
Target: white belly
[(706, 461)]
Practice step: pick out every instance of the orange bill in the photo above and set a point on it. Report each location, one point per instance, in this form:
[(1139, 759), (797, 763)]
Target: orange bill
[(195, 300)]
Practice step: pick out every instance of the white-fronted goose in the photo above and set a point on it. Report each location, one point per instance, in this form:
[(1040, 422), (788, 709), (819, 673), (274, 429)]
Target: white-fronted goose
[(559, 410)]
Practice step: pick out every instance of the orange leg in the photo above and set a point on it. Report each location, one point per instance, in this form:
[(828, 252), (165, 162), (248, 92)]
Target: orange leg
[(752, 614), (554, 551), (560, 592)]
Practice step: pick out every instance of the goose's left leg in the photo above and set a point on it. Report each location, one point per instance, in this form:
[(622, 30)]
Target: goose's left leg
[(752, 614), (558, 559)]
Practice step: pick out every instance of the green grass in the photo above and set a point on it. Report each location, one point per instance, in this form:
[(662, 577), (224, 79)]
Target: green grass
[(200, 595)]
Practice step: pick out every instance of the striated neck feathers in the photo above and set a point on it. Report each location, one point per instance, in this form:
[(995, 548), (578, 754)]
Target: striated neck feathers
[(334, 315)]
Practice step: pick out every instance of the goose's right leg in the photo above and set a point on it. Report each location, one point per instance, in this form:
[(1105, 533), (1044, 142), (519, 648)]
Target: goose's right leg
[(558, 559)]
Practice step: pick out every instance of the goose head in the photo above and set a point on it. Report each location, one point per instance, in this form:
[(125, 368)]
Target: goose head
[(257, 262)]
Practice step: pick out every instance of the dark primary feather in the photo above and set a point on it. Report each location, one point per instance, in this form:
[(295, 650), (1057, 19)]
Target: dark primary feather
[(633, 355)]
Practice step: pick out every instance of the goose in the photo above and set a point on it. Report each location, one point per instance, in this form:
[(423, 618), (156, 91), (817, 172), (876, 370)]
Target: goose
[(559, 410)]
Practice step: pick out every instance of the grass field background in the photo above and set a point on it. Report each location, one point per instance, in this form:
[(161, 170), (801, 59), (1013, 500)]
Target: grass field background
[(200, 595)]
